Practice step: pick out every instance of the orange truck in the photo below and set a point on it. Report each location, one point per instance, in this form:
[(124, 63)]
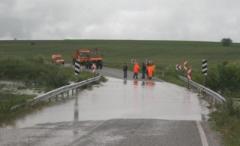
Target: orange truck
[(87, 57), (57, 59)]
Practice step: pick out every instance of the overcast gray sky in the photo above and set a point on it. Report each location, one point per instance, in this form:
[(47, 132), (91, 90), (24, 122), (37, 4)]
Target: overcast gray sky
[(204, 20)]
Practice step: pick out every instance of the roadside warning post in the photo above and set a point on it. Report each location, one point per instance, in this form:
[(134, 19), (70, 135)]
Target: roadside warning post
[(187, 71), (77, 67), (205, 70), (189, 76)]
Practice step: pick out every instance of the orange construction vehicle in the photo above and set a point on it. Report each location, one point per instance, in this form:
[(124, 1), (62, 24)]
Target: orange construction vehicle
[(57, 59), (87, 57)]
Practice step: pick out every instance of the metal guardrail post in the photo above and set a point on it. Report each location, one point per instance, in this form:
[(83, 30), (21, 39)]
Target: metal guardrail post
[(216, 97), (62, 90)]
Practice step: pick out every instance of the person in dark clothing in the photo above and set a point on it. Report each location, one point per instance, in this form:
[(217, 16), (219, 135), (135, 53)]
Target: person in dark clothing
[(144, 70), (125, 70)]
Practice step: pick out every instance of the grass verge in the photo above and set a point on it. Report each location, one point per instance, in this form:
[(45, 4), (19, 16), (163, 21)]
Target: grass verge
[(226, 120), (8, 100), (36, 73)]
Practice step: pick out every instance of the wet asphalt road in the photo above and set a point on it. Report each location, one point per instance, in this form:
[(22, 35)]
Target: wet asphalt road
[(158, 114), (117, 132)]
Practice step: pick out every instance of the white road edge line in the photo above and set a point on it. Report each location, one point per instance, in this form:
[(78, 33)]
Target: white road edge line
[(202, 134)]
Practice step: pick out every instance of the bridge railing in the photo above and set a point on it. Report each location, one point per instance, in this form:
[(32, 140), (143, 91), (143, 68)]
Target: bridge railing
[(64, 89), (215, 97)]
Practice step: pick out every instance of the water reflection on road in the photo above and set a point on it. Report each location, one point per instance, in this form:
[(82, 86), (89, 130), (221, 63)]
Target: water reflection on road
[(122, 99)]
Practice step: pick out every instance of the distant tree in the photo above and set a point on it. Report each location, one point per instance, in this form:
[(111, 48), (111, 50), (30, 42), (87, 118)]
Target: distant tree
[(32, 43), (226, 42)]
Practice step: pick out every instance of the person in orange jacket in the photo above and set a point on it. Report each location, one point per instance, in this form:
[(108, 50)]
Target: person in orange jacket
[(150, 71), (136, 69)]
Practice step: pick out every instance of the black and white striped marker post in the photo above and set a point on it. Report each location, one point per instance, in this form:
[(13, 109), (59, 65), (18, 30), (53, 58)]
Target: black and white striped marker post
[(205, 69), (77, 68)]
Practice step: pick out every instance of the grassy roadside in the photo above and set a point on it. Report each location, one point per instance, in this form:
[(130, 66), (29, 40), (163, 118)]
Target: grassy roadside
[(8, 100), (225, 79), (226, 120), (36, 73)]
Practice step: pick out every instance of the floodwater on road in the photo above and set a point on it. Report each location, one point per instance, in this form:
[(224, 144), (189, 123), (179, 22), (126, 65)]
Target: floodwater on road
[(118, 100)]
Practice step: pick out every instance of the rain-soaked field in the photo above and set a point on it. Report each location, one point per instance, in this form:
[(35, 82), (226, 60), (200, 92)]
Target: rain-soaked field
[(115, 52)]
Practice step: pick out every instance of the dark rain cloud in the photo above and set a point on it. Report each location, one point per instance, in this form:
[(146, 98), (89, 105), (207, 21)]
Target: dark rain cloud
[(125, 19)]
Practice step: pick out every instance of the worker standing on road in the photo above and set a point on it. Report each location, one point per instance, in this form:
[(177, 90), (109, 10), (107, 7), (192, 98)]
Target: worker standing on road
[(144, 70), (150, 70), (94, 67), (88, 65), (125, 69), (136, 69)]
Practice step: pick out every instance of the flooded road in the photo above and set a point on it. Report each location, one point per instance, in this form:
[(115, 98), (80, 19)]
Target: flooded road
[(116, 113), (118, 100)]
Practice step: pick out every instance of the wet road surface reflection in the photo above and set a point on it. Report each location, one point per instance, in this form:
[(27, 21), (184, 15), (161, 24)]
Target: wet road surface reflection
[(122, 100)]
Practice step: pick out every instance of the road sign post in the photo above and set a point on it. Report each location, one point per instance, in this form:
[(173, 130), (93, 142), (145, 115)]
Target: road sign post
[(205, 70), (77, 68), (189, 76)]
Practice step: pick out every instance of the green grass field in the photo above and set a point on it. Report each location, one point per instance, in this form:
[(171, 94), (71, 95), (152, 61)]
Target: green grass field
[(116, 52)]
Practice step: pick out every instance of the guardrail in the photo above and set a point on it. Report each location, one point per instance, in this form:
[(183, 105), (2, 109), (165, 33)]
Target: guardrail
[(54, 93), (61, 90), (215, 96)]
